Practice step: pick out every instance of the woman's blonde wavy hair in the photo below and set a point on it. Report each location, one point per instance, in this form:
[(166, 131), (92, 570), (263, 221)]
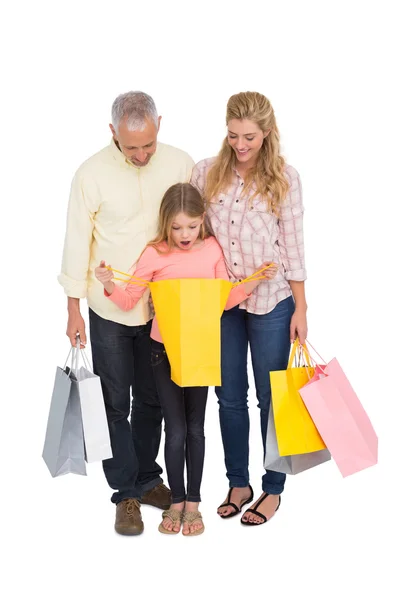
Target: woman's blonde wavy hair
[(179, 198), (268, 172)]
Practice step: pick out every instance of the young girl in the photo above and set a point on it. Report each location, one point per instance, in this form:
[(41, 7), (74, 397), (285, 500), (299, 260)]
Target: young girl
[(182, 249)]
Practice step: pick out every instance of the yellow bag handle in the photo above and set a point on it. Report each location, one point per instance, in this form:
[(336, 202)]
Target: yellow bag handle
[(295, 349), (253, 277), (131, 279), (143, 282)]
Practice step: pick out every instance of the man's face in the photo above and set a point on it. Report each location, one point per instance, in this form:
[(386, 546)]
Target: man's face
[(137, 146)]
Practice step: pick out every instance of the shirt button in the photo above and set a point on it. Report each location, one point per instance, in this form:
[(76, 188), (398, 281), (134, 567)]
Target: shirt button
[(233, 222), (233, 243), (220, 201), (235, 264), (240, 280), (237, 200)]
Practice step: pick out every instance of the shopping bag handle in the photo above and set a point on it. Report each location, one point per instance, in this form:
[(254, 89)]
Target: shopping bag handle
[(253, 277), (317, 353), (321, 367), (144, 283), (131, 278), (76, 351), (296, 347), (293, 351)]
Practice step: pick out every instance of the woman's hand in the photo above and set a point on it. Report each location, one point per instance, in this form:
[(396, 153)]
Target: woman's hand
[(298, 326), (105, 277)]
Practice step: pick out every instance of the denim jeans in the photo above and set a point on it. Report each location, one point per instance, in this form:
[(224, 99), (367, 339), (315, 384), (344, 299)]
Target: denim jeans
[(121, 358), (269, 339), (184, 412)]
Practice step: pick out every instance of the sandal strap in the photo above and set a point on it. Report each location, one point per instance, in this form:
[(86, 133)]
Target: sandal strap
[(230, 504), (235, 506), (261, 500), (258, 514), (173, 514), (191, 516)]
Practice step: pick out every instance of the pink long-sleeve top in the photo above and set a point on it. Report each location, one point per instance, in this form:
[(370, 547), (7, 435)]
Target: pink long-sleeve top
[(203, 261)]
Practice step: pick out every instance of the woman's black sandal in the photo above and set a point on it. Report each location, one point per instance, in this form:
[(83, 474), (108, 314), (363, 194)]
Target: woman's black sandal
[(254, 511), (233, 505)]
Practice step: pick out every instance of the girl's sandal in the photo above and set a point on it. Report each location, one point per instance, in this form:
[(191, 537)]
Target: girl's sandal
[(176, 518), (190, 517)]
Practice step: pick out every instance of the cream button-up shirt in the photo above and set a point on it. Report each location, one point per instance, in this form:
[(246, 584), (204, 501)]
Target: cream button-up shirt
[(112, 214)]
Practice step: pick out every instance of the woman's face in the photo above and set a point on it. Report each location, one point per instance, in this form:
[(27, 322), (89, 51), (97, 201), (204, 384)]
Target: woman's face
[(246, 139)]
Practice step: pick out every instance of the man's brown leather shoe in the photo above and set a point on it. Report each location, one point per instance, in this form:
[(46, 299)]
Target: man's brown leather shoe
[(159, 496), (128, 520)]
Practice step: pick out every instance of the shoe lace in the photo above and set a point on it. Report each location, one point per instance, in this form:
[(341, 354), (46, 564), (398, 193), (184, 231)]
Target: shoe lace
[(131, 505)]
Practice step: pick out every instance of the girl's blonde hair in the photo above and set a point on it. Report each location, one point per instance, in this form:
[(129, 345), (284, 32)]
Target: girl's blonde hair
[(179, 198), (268, 172)]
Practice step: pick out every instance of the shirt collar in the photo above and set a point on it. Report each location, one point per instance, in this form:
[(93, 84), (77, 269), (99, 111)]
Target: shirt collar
[(121, 158)]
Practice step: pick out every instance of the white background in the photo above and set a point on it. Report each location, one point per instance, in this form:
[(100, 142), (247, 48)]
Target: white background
[(329, 69)]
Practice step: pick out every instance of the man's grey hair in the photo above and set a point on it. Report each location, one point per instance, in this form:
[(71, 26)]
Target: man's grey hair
[(137, 108)]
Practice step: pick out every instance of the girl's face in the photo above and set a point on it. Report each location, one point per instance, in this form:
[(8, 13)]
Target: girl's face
[(185, 230), (246, 139)]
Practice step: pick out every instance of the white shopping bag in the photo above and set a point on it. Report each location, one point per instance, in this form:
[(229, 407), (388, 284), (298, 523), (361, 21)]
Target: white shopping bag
[(95, 427)]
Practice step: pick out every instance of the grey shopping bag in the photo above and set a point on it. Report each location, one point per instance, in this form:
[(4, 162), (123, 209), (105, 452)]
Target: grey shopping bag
[(292, 464), (63, 450)]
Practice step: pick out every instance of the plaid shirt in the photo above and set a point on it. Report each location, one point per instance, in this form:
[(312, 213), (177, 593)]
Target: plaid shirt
[(250, 235)]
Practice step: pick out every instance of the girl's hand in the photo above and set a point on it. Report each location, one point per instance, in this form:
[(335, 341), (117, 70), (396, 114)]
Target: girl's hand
[(270, 272), (105, 277)]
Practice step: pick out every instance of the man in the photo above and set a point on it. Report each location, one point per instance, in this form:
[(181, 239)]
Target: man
[(112, 214)]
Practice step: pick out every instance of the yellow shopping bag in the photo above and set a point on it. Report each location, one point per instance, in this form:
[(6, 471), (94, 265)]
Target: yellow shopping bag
[(189, 314), (295, 430)]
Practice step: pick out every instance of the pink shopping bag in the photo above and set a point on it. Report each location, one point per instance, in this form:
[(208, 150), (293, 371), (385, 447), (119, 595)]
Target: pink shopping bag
[(340, 419)]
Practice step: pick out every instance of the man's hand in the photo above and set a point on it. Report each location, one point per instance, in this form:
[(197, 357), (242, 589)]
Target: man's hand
[(76, 324)]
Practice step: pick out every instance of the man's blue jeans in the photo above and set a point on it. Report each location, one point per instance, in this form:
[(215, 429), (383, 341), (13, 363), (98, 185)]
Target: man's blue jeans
[(121, 357), (269, 339)]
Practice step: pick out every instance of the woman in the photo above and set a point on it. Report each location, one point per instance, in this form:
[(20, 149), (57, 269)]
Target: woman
[(254, 207)]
